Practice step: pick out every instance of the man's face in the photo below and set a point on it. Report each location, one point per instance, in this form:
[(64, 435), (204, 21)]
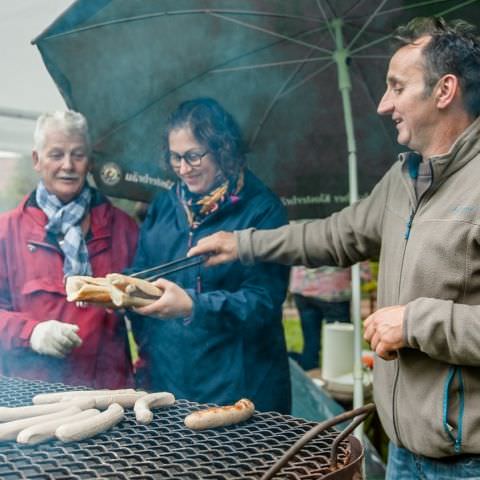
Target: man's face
[(62, 163), (413, 111)]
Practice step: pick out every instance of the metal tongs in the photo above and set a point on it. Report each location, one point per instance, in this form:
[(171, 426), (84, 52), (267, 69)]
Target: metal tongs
[(158, 271)]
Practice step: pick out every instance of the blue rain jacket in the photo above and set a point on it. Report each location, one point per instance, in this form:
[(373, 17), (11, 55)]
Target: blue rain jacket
[(232, 346)]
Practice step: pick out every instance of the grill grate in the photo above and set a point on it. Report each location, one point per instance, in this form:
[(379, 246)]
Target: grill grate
[(166, 448)]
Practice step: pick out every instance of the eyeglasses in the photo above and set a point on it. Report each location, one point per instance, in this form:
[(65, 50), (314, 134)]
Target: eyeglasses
[(192, 158)]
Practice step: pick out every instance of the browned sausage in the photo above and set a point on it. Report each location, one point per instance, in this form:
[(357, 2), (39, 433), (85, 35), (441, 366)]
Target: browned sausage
[(220, 416)]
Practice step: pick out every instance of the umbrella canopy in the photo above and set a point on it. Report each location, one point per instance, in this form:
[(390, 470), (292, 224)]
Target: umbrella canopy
[(275, 65)]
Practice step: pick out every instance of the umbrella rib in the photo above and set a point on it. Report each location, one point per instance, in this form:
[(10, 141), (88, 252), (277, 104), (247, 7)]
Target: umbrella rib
[(306, 79), (325, 17), (370, 98), (272, 64), (277, 96), (352, 8), (370, 44), (196, 77), (181, 12), (301, 34), (429, 2), (366, 24), (456, 7), (270, 32)]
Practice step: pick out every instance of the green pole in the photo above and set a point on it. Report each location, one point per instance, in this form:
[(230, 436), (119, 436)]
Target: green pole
[(340, 56)]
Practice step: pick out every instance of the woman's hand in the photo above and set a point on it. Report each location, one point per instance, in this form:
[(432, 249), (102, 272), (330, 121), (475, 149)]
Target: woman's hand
[(174, 302)]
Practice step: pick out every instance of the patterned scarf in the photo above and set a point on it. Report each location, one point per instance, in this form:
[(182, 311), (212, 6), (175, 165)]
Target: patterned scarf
[(65, 219), (200, 206)]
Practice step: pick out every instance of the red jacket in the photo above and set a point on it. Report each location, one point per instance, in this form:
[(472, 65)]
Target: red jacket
[(32, 290)]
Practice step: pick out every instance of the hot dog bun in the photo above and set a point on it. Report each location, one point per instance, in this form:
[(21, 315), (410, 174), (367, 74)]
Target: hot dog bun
[(113, 291), (88, 289)]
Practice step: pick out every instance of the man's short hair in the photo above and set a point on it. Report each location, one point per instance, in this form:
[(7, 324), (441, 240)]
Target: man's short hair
[(68, 121), (453, 49)]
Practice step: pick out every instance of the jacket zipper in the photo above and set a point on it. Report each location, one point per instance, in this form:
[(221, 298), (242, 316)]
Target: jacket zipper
[(457, 441), (408, 229), (409, 224)]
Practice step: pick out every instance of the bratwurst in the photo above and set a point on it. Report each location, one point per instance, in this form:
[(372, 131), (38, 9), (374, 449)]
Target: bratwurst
[(220, 416)]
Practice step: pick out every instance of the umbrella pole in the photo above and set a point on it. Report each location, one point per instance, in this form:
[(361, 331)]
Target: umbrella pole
[(341, 55)]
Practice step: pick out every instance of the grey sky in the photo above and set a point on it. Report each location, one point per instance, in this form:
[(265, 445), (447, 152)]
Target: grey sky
[(25, 83)]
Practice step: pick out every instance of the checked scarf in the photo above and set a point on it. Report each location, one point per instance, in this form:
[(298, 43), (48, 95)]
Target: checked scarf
[(65, 220), (200, 206)]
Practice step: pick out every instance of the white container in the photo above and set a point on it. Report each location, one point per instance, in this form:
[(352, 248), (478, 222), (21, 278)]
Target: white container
[(337, 350)]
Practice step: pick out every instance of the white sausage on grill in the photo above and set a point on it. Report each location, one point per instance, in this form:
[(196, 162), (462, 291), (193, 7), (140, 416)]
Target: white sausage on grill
[(220, 416), (8, 414), (79, 430), (53, 397), (126, 400), (143, 406), (10, 430), (45, 430)]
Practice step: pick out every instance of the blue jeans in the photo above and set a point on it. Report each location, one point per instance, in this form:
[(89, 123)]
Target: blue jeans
[(405, 465), (312, 313)]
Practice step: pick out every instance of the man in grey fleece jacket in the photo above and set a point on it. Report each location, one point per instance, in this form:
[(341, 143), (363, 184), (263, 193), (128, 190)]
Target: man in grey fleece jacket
[(422, 220)]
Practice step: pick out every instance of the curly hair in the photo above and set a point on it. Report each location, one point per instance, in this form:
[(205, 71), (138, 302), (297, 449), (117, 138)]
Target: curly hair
[(454, 49), (214, 128)]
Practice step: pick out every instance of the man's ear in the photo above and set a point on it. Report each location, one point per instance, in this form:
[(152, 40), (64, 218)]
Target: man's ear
[(36, 160), (446, 90)]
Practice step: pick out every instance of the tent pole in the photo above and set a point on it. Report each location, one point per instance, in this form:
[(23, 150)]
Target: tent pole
[(341, 57)]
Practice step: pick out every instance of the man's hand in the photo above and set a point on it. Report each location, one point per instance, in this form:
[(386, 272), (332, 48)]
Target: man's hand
[(55, 338), (221, 247), (384, 331), (174, 302)]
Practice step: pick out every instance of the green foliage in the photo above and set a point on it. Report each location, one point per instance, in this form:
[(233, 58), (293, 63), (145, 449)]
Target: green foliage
[(293, 334)]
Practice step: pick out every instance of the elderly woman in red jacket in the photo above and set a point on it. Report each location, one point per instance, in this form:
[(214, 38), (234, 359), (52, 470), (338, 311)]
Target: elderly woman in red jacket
[(64, 227)]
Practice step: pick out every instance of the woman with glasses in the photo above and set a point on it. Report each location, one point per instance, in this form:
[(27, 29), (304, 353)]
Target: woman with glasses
[(216, 334)]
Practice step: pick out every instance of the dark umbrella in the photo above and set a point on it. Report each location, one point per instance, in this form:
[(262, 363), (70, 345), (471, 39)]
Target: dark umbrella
[(276, 65)]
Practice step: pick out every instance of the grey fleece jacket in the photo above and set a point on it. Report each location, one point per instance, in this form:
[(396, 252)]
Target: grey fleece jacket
[(429, 251)]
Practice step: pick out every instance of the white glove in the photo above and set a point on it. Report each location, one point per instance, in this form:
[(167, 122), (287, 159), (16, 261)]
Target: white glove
[(55, 338)]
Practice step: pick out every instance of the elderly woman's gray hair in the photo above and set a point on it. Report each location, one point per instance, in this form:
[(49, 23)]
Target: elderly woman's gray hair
[(68, 121)]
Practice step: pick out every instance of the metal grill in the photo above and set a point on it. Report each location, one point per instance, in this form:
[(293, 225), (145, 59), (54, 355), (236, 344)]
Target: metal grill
[(166, 448)]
